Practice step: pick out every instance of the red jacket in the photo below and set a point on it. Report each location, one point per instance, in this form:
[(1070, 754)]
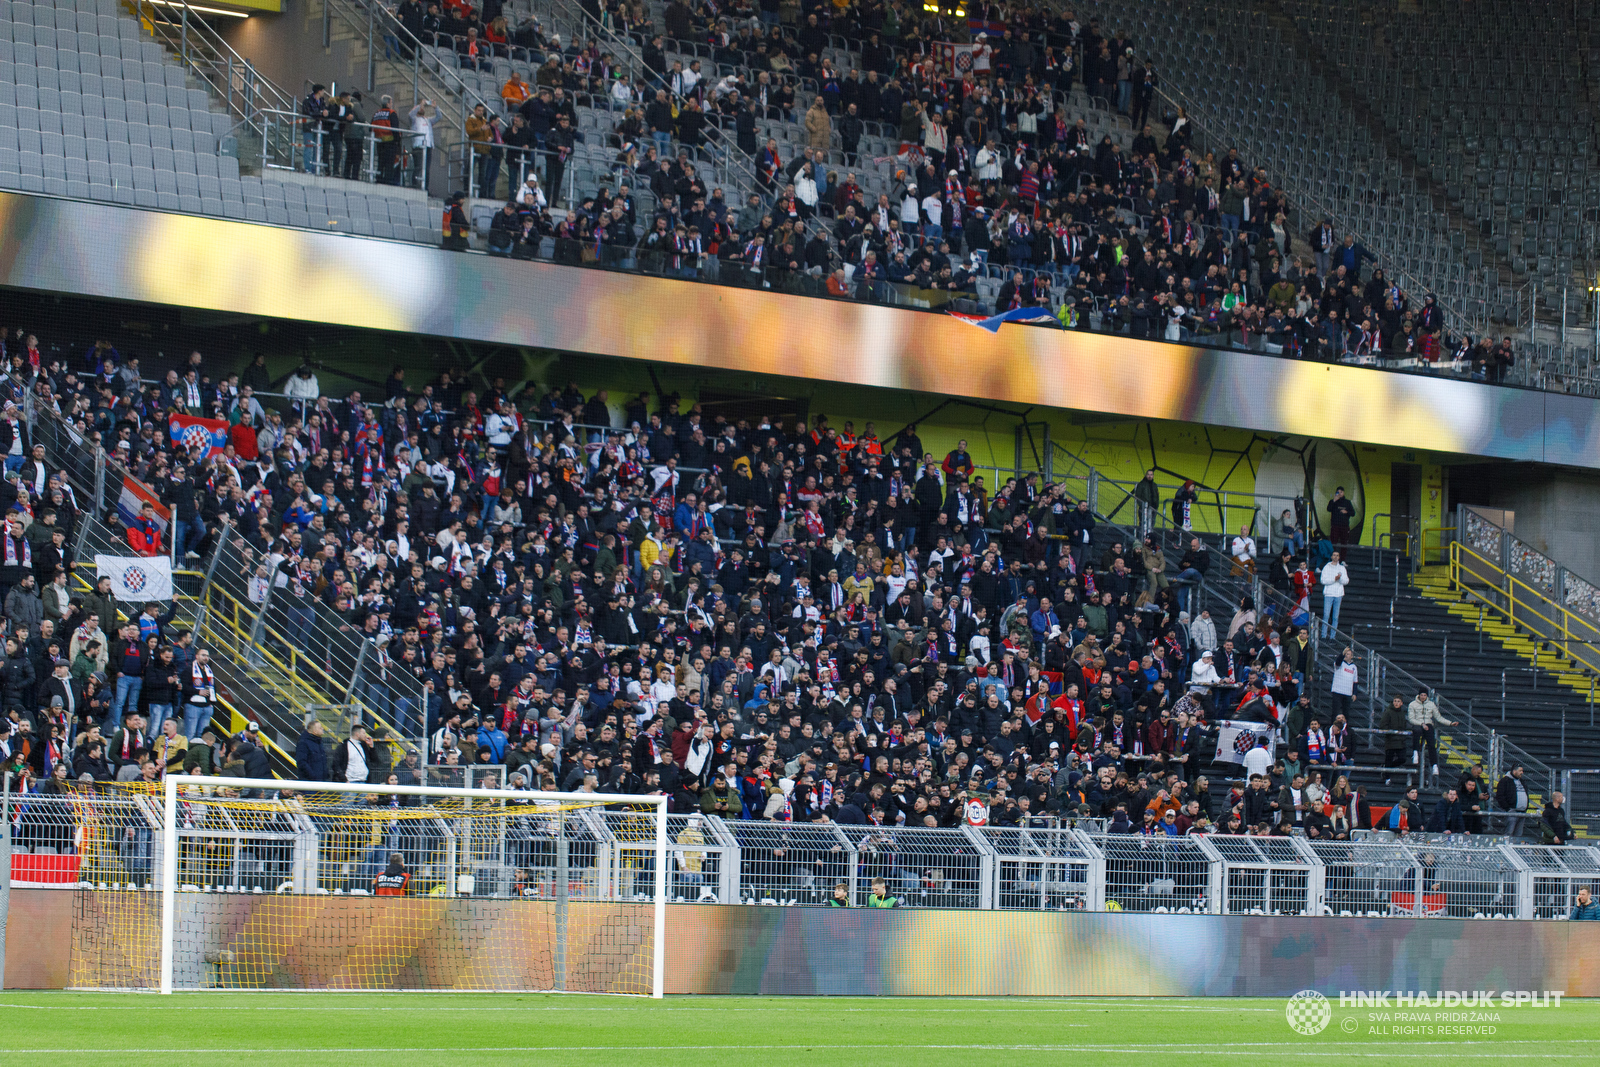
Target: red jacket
[(144, 538), (1161, 737), (244, 442)]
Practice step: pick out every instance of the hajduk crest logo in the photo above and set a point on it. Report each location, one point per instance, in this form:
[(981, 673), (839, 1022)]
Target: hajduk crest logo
[(1308, 1012), (133, 579), (196, 436)]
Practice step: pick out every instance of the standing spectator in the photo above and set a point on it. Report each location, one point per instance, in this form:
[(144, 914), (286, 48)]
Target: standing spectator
[(17, 561), (23, 606), (1396, 729), (1340, 512), (200, 693), (355, 758), (1322, 241), (1191, 572), (1511, 797), (819, 127), (303, 388), (1148, 496), (315, 112), (353, 132), (1346, 676), (129, 659), (1244, 553), (163, 686), (188, 528), (1335, 576), (1447, 817), (386, 132), (310, 754), (1557, 830)]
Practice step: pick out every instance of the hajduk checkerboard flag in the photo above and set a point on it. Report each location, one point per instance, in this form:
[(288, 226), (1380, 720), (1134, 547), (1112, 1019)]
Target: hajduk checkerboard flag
[(955, 59), (136, 578), (1235, 738), (189, 432)]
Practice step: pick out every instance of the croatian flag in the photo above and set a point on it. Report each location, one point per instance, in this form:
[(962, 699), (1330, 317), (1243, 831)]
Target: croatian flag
[(992, 323), (189, 432), (135, 496)]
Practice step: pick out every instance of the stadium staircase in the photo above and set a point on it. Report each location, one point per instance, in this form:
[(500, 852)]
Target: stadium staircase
[(262, 675), (1491, 673), (1400, 663), (355, 31), (1221, 592)]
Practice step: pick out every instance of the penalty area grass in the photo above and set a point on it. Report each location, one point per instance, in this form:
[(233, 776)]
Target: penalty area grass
[(380, 1029)]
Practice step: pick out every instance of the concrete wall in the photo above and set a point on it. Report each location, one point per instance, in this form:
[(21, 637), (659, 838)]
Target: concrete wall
[(1556, 508), (287, 48)]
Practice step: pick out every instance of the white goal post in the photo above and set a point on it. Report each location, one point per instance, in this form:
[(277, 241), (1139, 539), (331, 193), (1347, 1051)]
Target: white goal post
[(518, 880)]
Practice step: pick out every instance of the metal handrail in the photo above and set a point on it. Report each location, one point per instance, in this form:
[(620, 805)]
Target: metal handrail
[(231, 77), (444, 84), (1508, 604), (295, 671), (735, 160)]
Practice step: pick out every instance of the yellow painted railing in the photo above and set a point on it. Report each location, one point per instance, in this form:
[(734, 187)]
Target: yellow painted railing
[(236, 719), (1482, 581), (229, 625), (1436, 544)]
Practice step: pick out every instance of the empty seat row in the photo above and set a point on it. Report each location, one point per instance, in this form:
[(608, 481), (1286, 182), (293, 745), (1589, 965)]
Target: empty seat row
[(81, 15), (34, 65)]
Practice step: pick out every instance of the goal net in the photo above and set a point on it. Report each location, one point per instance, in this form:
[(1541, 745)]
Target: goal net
[(281, 885)]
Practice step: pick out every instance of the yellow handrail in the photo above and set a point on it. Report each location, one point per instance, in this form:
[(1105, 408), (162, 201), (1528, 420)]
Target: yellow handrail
[(231, 620), (1434, 539), (1508, 585)]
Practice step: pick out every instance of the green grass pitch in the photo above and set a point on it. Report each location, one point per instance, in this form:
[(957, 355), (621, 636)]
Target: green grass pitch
[(358, 1029)]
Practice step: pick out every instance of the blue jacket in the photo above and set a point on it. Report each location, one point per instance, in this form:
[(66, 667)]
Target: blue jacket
[(494, 739), (311, 758)]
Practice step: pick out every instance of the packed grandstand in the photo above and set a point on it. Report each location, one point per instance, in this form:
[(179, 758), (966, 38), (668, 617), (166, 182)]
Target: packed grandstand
[(842, 656)]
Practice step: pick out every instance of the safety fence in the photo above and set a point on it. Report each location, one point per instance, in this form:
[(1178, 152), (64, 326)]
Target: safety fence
[(290, 656), (83, 836), (1515, 583)]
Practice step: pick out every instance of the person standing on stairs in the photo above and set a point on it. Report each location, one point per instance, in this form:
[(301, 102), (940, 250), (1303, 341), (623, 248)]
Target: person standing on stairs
[(1346, 676), (1423, 714), (1511, 797), (1334, 578), (1340, 512), (1393, 725)]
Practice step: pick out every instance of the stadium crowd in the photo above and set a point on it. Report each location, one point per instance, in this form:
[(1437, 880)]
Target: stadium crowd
[(785, 622), (991, 179)]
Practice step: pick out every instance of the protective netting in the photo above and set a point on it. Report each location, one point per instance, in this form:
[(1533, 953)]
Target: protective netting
[(331, 890)]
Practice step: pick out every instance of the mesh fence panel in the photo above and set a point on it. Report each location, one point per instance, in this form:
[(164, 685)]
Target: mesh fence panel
[(77, 834), (921, 866), (790, 863), (1366, 877), (1147, 873), (1464, 881), (1263, 875), (1039, 868), (1556, 876)]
